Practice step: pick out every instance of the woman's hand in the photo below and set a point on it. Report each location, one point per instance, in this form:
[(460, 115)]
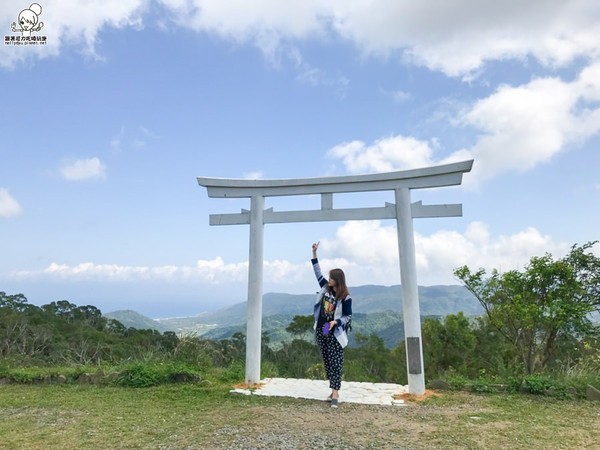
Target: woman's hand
[(332, 324), (315, 246)]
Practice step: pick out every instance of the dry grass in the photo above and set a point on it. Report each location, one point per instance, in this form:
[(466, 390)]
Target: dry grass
[(412, 398)]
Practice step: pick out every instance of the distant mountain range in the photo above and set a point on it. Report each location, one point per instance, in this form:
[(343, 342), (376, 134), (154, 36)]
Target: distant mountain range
[(376, 309)]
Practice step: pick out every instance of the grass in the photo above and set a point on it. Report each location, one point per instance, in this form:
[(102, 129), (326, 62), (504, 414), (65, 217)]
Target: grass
[(111, 417), (515, 421), (195, 416)]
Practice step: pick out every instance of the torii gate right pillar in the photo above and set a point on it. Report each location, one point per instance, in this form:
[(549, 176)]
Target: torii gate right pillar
[(410, 293)]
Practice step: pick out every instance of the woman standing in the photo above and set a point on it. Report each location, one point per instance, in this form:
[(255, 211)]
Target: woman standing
[(333, 313)]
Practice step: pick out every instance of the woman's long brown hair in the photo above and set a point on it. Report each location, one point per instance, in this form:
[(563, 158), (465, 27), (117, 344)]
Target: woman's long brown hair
[(341, 290)]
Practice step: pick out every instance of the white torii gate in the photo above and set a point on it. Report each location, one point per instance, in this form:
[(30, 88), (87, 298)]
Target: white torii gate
[(403, 211)]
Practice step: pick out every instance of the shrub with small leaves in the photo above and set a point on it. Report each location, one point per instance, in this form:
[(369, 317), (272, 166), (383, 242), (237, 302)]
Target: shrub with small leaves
[(317, 371), (24, 375), (481, 386), (141, 375), (235, 372), (181, 373), (457, 382), (537, 384), (514, 384)]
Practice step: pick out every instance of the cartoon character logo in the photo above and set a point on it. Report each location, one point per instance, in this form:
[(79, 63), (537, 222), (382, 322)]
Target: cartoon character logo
[(328, 307), (29, 20)]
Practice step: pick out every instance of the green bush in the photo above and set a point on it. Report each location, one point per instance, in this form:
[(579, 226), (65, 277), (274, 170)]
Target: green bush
[(538, 384), (578, 376), (317, 372), (235, 372), (24, 375), (482, 386), (548, 385), (457, 382), (4, 369), (178, 373), (43, 374), (514, 384), (269, 369), (353, 370), (141, 375), (192, 350)]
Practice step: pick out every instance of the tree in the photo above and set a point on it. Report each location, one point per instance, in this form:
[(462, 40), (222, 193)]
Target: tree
[(369, 361), (301, 326), (23, 330), (492, 353), (15, 302), (397, 371), (537, 309), (448, 343), (294, 359)]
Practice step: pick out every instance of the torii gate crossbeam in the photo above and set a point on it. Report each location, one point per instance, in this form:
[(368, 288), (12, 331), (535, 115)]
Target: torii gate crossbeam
[(403, 211)]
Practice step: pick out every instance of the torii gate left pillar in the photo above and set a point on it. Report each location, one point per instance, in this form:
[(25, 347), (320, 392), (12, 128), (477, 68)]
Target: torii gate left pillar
[(403, 211)]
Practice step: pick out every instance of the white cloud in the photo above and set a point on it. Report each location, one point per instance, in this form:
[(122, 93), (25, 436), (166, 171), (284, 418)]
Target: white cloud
[(214, 271), (256, 175), (115, 143), (367, 251), (519, 127), (313, 76), (9, 207), (527, 125), (372, 249), (69, 22), (83, 169), (400, 96), (136, 140), (143, 136), (265, 22), (445, 250), (457, 37), (384, 155), (207, 271), (148, 133)]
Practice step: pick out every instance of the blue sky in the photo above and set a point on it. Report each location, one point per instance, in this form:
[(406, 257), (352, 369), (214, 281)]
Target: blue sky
[(107, 125)]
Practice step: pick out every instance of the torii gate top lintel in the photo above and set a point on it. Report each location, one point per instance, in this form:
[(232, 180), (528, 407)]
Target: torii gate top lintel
[(436, 176)]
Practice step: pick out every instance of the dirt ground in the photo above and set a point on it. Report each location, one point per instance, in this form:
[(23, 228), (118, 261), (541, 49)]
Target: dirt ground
[(314, 425), (471, 423)]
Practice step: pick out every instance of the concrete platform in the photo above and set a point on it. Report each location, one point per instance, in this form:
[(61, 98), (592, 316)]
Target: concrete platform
[(387, 394)]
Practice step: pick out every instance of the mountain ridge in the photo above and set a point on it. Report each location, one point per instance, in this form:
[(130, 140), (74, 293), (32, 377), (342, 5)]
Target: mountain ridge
[(438, 300)]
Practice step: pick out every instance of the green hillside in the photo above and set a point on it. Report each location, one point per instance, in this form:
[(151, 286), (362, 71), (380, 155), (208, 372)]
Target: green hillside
[(376, 309), (388, 325), (434, 301), (132, 319), (273, 304)]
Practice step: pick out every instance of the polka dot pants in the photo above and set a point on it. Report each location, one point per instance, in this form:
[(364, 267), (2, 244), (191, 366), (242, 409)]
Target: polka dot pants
[(333, 358)]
